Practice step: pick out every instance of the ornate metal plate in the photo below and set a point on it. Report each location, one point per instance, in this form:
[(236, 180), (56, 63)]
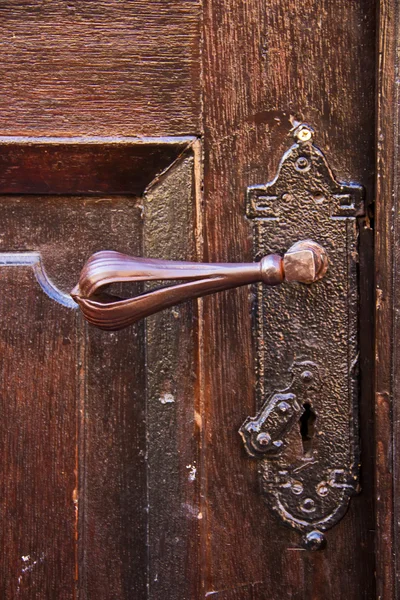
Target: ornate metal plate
[(306, 432)]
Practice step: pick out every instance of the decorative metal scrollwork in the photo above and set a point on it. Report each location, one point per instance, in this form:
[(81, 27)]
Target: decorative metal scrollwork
[(305, 435)]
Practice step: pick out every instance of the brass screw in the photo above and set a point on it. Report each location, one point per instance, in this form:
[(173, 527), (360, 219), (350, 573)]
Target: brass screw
[(304, 134)]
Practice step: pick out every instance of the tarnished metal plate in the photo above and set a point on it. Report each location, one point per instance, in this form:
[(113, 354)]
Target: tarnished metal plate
[(309, 466)]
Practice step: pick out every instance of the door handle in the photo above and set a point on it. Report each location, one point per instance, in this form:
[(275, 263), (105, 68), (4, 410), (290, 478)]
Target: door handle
[(305, 262), (305, 430)]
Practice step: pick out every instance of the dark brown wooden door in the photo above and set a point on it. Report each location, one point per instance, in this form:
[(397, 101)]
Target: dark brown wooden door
[(137, 126)]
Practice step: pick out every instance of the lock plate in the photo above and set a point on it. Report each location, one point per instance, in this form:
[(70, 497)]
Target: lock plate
[(305, 434)]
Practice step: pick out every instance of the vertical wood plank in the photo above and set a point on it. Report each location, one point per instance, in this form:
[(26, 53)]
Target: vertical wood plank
[(387, 366), (266, 65), (37, 441), (172, 397), (113, 503), (113, 522)]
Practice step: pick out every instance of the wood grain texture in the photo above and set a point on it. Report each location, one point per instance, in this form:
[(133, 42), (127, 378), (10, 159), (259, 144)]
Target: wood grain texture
[(172, 398), (85, 166), (112, 436), (133, 68), (387, 366), (103, 68), (91, 68), (112, 463), (266, 65), (79, 411), (119, 482), (38, 441)]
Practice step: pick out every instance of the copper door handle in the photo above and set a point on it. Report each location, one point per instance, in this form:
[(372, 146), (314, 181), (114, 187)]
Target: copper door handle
[(305, 262)]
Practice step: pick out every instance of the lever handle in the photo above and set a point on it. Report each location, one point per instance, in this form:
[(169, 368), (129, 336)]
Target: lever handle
[(305, 262)]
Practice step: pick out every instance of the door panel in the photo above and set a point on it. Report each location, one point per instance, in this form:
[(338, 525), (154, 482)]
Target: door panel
[(93, 423), (100, 68)]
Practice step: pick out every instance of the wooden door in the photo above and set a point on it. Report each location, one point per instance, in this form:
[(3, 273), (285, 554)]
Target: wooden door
[(137, 126)]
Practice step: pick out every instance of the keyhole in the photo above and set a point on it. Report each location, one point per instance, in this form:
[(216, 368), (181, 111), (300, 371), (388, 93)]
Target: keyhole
[(307, 428)]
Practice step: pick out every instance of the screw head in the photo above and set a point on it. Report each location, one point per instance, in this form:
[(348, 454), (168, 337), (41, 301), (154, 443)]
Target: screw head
[(304, 135)]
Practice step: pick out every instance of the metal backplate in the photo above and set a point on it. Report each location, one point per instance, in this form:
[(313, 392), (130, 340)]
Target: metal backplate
[(306, 432)]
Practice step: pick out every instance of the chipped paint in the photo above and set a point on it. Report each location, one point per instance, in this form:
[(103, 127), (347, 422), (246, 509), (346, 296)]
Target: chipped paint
[(167, 399), (192, 472)]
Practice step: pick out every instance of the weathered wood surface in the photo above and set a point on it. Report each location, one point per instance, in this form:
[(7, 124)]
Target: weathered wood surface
[(38, 480), (100, 165), (72, 411), (100, 68), (173, 452), (387, 366), (128, 69), (109, 504), (265, 66), (112, 508)]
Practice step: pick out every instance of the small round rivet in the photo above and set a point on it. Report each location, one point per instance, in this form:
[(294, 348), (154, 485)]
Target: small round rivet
[(302, 164), (322, 489), (283, 407), (308, 505), (297, 487), (314, 540), (264, 439), (307, 376)]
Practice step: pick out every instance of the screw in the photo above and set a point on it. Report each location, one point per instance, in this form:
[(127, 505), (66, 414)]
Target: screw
[(304, 134)]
